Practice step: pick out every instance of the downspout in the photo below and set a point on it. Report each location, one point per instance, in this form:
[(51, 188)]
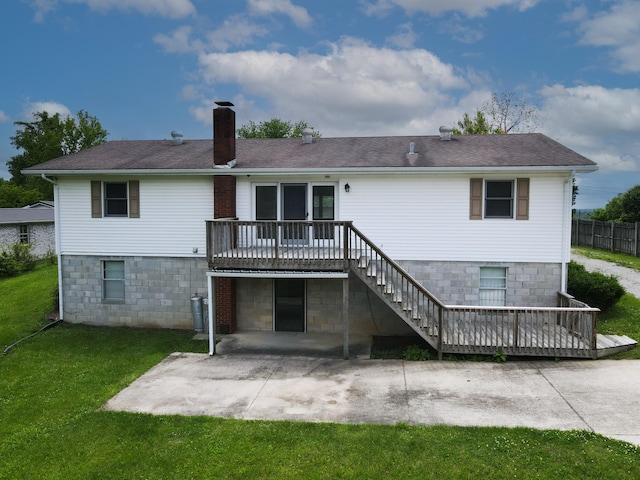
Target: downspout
[(566, 230), (56, 228)]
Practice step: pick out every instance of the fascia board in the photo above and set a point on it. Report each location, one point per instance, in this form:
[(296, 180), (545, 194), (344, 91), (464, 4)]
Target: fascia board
[(322, 171)]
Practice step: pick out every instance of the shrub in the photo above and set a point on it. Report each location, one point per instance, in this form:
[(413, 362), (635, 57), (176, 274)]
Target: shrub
[(595, 288), (16, 259), (416, 353)]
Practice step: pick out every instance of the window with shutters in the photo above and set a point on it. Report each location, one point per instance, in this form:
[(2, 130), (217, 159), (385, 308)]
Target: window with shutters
[(115, 199), (499, 199)]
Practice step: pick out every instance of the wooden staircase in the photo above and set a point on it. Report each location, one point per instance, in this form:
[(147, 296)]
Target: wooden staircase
[(534, 331), (407, 297)]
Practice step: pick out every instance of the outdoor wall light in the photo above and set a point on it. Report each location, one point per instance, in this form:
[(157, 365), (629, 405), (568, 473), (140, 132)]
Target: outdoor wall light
[(347, 187)]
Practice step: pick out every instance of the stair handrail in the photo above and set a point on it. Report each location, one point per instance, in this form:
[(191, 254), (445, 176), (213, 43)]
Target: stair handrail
[(397, 267)]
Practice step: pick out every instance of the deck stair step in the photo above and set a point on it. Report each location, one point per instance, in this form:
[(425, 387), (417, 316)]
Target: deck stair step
[(363, 262), (389, 288), (381, 279), (372, 270)]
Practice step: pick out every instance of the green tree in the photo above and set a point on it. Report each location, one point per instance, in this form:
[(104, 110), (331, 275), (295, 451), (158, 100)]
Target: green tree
[(13, 196), (611, 211), (477, 126), (504, 113), (48, 137), (624, 207), (274, 128)]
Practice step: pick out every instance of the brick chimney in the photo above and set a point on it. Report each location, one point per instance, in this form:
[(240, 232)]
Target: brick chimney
[(224, 133), (224, 206)]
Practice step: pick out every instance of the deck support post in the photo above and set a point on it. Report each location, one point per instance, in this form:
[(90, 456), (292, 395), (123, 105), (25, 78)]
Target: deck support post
[(212, 314), (345, 317)]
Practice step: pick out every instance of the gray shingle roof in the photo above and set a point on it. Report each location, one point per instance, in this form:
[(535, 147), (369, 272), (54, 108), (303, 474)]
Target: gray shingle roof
[(465, 151), (26, 215)]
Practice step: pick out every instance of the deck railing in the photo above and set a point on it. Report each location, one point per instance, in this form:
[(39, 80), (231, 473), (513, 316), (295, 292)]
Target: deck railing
[(549, 331), (272, 245), (567, 330)]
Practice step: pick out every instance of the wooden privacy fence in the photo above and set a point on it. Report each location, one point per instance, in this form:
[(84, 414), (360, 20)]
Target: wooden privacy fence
[(611, 236)]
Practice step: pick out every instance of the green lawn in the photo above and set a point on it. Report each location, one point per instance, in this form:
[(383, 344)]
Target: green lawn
[(624, 317), (52, 427)]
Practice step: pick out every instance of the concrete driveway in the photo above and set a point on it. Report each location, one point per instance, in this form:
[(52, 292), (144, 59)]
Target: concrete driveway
[(601, 396)]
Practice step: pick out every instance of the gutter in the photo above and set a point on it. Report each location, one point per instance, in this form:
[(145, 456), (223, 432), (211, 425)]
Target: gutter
[(566, 231), (240, 171), (56, 228)]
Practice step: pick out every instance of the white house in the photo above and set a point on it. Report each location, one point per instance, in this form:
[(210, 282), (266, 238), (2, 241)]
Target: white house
[(372, 235)]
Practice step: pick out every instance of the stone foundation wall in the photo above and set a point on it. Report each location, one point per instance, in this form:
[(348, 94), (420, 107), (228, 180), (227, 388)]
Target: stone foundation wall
[(158, 291), (158, 294), (458, 283), (368, 314)]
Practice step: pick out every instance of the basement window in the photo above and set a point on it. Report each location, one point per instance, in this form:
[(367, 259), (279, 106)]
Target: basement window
[(113, 281), (493, 286)]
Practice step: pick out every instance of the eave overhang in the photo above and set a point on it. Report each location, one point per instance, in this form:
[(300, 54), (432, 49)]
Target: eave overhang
[(289, 172)]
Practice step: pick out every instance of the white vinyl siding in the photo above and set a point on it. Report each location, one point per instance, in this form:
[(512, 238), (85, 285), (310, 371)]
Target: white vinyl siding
[(173, 211), (427, 218)]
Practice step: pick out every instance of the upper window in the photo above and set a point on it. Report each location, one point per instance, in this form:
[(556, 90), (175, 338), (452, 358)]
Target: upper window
[(24, 234), (266, 209), (498, 200), (323, 209), (115, 199)]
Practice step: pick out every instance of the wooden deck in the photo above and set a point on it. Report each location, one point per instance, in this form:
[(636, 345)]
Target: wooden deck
[(568, 330)]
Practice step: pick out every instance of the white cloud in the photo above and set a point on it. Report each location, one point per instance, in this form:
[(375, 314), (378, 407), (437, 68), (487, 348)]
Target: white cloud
[(50, 107), (163, 8), (460, 32), (235, 31), (178, 42), (618, 29), (598, 122), (4, 117), (298, 15), (405, 38), (352, 89), (474, 8)]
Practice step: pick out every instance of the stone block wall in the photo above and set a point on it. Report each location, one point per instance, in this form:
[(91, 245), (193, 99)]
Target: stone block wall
[(158, 291), (368, 314), (458, 283)]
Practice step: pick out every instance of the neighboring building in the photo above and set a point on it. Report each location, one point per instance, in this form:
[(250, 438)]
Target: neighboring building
[(474, 220), (33, 224)]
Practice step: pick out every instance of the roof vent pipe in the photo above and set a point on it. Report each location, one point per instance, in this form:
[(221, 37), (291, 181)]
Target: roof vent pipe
[(412, 148), (177, 137), (445, 133), (307, 135)]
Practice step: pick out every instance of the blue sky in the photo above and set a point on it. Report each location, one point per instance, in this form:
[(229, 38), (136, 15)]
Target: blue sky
[(367, 67)]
